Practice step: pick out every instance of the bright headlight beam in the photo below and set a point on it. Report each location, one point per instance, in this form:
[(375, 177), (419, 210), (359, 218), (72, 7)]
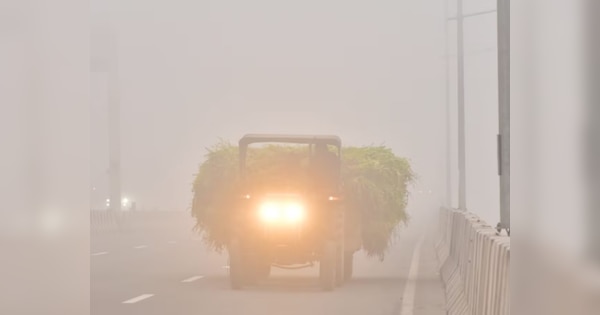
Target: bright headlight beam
[(269, 212), (294, 213), (273, 212)]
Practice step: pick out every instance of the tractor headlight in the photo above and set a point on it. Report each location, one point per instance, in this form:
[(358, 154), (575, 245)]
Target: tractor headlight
[(285, 213), (294, 213), (269, 212)]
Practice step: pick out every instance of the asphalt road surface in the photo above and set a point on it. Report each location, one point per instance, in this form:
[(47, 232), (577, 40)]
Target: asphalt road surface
[(167, 270)]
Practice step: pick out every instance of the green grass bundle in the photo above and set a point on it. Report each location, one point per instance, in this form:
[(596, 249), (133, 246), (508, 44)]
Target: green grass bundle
[(374, 179)]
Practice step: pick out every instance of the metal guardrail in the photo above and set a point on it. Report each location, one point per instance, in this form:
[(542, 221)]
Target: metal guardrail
[(475, 265), (103, 220), (106, 221)]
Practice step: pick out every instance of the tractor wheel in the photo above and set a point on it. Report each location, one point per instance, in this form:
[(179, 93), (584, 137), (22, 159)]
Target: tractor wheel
[(339, 266), (327, 266), (237, 271), (348, 265), (263, 270)]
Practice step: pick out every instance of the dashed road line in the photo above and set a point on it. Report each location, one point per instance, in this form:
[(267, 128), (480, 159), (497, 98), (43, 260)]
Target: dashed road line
[(138, 298), (225, 267), (192, 279), (99, 253), (140, 246)]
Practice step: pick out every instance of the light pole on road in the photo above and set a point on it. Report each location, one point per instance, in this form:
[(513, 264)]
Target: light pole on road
[(503, 31), (503, 19), (104, 60)]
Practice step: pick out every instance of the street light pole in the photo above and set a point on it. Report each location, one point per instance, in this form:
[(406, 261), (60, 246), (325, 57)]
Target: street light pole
[(462, 171), (593, 131), (462, 176), (503, 20), (448, 131), (114, 126), (104, 59)]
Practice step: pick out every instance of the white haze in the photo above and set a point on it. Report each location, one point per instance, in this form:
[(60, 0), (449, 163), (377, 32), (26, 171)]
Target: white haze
[(372, 72)]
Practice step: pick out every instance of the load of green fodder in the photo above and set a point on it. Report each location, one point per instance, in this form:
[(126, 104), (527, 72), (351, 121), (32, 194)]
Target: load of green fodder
[(375, 188)]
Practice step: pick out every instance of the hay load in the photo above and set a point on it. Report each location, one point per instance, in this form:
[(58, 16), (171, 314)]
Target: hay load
[(375, 186)]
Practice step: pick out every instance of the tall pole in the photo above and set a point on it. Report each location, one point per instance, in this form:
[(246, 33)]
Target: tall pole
[(448, 131), (503, 29), (114, 126), (592, 131), (462, 178)]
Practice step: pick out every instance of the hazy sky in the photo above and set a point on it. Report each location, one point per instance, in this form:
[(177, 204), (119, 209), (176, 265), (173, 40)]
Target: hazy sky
[(370, 71)]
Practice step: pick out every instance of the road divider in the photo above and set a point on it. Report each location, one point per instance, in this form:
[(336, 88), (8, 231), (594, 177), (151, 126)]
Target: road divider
[(475, 264)]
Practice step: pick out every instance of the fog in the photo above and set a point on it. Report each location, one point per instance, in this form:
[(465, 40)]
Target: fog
[(372, 73)]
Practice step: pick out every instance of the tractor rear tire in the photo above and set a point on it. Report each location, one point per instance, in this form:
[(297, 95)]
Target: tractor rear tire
[(348, 265), (237, 271), (263, 270), (339, 266), (327, 266)]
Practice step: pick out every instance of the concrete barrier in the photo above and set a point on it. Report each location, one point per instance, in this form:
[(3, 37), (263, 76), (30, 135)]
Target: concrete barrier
[(475, 265)]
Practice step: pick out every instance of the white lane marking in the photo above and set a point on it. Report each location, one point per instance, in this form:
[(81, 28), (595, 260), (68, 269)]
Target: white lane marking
[(141, 246), (225, 267), (99, 253), (408, 298), (192, 279), (138, 298)]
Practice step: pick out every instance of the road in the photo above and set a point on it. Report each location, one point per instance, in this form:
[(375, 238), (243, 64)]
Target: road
[(167, 270)]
